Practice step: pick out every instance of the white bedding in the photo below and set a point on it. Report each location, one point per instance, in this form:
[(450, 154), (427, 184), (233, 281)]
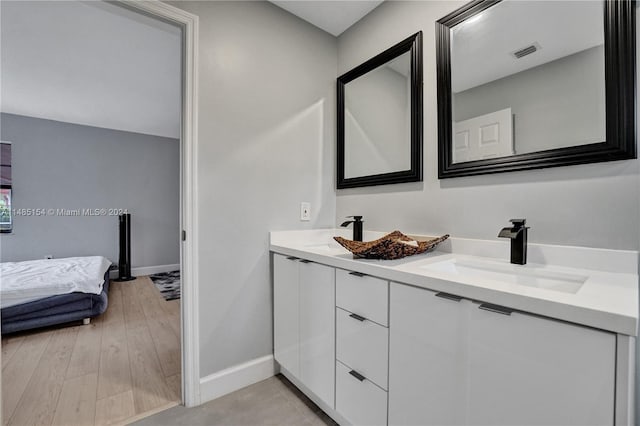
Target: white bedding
[(22, 282)]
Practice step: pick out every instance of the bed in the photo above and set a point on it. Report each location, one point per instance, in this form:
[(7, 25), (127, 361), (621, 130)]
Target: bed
[(40, 293)]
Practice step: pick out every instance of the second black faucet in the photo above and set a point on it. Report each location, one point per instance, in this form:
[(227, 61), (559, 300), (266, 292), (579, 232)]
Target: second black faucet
[(518, 236)]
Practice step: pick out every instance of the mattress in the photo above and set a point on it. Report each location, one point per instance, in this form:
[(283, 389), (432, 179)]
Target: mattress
[(55, 310), (24, 282)]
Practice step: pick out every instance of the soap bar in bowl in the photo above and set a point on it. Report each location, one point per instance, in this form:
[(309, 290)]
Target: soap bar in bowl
[(395, 245)]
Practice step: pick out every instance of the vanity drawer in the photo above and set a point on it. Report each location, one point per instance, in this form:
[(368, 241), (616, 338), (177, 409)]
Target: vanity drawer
[(363, 345), (363, 295), (359, 400)]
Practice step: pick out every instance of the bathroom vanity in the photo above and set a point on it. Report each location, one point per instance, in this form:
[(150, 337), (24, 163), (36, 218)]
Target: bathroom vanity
[(458, 335)]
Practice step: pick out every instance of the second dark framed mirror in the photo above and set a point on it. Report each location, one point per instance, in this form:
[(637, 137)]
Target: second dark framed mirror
[(380, 118), (533, 84)]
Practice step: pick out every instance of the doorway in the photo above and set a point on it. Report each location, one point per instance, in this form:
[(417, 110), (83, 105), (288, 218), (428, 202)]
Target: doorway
[(132, 301)]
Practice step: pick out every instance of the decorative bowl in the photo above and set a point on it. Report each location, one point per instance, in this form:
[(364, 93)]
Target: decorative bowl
[(395, 245)]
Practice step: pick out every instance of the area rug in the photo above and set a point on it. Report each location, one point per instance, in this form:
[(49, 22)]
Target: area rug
[(168, 283)]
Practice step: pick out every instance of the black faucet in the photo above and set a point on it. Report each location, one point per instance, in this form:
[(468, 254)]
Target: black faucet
[(518, 235), (357, 227)]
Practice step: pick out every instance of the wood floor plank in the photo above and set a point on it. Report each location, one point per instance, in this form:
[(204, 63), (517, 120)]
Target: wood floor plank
[(38, 403), (19, 369), (167, 345), (77, 402), (165, 340), (149, 289), (110, 370), (114, 373), (173, 306), (150, 389), (115, 409), (114, 312), (85, 358), (133, 313), (175, 385), (10, 346)]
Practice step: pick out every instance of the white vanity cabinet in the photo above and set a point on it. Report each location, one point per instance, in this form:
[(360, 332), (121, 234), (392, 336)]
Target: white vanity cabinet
[(317, 329), (362, 348), (453, 361), (427, 363), (286, 327), (304, 323), (423, 340)]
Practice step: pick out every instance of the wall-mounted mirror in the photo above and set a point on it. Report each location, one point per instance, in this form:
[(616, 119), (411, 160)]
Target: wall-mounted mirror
[(380, 118), (532, 84)]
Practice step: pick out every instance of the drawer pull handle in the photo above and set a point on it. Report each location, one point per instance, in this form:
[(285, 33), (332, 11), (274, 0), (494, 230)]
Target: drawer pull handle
[(495, 309), (357, 317), (357, 274), (306, 261), (292, 258), (357, 375), (449, 296)]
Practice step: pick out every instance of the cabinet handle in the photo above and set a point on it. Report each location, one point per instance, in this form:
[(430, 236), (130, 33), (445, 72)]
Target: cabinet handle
[(357, 274), (495, 309), (449, 296), (357, 375), (357, 317), (306, 261), (292, 258)]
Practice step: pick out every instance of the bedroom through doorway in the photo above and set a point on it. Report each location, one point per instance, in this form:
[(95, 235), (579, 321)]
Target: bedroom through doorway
[(91, 110)]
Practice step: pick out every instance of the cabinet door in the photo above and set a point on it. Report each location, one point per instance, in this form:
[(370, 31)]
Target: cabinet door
[(528, 370), (317, 329), (285, 313), (427, 357)]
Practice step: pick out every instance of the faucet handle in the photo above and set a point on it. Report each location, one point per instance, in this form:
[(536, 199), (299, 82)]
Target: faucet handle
[(356, 218), (517, 223)]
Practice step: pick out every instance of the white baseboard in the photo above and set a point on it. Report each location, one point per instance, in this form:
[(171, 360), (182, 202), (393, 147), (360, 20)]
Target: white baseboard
[(148, 270), (236, 377)]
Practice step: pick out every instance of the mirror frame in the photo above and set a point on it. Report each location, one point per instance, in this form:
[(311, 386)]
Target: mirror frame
[(412, 44), (620, 94)]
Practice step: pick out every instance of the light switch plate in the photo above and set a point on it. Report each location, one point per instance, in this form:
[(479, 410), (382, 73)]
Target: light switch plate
[(305, 211)]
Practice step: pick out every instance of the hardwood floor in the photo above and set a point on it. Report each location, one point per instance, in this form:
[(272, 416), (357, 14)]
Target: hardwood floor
[(122, 365)]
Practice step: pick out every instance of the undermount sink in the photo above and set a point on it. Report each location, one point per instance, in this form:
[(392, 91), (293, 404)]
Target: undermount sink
[(524, 275), (326, 247)]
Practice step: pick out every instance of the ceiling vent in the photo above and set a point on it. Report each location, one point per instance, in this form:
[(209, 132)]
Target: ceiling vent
[(525, 51)]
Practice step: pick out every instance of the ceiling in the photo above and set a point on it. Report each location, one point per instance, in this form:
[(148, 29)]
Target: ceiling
[(90, 63), (482, 47), (97, 64), (332, 16)]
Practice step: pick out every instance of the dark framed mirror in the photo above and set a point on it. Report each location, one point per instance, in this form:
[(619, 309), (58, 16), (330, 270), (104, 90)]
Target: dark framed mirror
[(533, 84), (380, 118)]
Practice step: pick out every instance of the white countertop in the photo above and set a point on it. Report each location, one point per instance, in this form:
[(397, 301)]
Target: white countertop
[(607, 300)]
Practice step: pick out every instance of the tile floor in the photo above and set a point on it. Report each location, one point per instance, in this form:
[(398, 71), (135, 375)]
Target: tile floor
[(274, 401)]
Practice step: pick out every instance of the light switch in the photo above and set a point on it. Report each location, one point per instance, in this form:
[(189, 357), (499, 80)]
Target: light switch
[(305, 211)]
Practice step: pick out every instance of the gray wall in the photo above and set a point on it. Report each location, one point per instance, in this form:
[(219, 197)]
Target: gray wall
[(557, 104), (594, 205), (266, 143), (67, 166)]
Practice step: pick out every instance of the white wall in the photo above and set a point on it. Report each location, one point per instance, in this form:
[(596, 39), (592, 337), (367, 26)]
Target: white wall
[(594, 205), (266, 143)]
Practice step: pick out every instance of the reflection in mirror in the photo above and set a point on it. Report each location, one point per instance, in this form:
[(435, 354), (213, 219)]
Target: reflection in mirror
[(380, 118), (528, 76), (530, 84), (377, 120)]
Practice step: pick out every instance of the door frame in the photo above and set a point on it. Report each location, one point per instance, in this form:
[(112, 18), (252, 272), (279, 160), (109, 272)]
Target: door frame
[(188, 190)]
